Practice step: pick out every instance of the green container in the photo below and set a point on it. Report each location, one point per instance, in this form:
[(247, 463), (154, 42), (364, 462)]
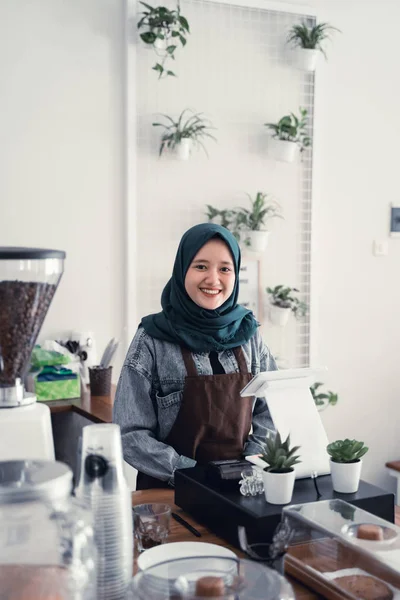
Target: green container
[(58, 390)]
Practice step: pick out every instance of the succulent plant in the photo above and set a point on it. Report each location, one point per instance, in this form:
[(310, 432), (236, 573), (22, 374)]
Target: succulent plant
[(346, 451), (278, 455)]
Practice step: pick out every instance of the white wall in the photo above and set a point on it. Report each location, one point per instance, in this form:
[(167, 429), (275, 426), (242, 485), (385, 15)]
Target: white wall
[(357, 329), (61, 150)]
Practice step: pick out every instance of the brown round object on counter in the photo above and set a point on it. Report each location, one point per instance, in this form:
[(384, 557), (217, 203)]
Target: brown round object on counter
[(365, 587), (210, 587), (370, 532)]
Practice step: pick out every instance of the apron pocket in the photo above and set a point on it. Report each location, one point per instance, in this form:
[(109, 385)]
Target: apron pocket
[(168, 409)]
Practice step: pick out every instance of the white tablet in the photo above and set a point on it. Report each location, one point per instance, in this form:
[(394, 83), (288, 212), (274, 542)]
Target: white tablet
[(293, 411)]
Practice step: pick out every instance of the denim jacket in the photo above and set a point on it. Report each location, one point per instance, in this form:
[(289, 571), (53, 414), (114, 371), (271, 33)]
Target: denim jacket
[(149, 396)]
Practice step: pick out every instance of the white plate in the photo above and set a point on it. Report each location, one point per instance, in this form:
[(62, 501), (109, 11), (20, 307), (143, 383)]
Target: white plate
[(172, 550)]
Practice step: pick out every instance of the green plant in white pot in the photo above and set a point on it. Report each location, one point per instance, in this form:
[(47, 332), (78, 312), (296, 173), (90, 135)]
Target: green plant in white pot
[(346, 464), (188, 131), (308, 43), (322, 399), (224, 217), (283, 301), (279, 475), (289, 136), (164, 30), (251, 221), (248, 225)]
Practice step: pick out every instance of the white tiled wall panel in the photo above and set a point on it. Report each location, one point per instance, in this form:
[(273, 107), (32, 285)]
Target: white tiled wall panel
[(236, 69)]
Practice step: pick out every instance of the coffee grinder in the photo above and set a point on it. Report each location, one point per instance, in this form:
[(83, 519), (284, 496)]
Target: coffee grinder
[(28, 280)]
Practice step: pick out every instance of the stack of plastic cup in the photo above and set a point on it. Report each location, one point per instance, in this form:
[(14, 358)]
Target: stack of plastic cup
[(103, 487)]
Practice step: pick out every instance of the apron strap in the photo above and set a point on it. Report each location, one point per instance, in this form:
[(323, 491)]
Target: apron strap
[(191, 367), (238, 352), (189, 362)]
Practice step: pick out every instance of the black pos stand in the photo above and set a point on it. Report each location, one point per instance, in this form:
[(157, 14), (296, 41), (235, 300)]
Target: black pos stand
[(224, 511)]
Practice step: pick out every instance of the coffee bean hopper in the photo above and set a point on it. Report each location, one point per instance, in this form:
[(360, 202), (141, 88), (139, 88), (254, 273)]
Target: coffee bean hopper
[(28, 280)]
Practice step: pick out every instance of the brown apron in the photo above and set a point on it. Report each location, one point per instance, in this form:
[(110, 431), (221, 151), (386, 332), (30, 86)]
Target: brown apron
[(213, 422)]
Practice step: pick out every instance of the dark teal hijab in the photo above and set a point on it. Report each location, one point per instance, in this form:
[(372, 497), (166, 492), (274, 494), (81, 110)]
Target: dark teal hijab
[(182, 321)]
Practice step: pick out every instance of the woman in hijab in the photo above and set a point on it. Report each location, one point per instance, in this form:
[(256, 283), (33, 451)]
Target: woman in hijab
[(178, 398)]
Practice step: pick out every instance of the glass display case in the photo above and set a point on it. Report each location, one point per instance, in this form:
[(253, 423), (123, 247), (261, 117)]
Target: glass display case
[(343, 552)]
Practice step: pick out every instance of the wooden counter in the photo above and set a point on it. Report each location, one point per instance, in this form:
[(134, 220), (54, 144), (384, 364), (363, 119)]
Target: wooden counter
[(97, 409), (178, 533)]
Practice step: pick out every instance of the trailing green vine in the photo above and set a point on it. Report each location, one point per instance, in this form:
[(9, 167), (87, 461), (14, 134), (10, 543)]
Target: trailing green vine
[(165, 29)]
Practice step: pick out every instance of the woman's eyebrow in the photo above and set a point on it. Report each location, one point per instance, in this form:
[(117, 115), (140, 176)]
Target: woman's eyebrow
[(203, 260)]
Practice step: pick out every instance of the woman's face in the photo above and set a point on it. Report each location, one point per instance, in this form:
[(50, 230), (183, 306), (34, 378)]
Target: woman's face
[(210, 278)]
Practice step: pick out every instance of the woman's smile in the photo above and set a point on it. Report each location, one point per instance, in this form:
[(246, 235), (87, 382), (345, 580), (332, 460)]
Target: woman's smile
[(210, 292)]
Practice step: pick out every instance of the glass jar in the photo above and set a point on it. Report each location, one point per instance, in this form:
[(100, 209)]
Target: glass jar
[(28, 280), (201, 577), (47, 548)]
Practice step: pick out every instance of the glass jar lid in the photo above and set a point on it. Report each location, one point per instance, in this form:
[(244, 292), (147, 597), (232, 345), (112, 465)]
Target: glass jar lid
[(195, 578), (24, 481), (20, 253)]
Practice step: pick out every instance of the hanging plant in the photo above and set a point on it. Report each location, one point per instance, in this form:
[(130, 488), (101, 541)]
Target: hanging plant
[(283, 301), (308, 43), (310, 38), (180, 135), (323, 399), (292, 128), (165, 29)]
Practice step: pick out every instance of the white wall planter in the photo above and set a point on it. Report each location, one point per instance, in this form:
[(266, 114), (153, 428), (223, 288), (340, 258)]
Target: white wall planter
[(160, 45), (184, 149), (278, 487), (278, 316), (346, 476), (258, 240), (306, 59), (282, 150)]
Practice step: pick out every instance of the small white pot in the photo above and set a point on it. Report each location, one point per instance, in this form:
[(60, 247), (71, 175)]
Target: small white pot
[(346, 476), (184, 149), (258, 240), (161, 45), (278, 315), (306, 59), (278, 487), (282, 150)]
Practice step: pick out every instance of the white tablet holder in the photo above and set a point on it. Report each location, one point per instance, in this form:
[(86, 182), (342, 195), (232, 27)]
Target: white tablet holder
[(293, 411)]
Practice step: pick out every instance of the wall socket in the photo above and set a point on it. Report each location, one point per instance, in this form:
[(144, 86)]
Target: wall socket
[(380, 248)]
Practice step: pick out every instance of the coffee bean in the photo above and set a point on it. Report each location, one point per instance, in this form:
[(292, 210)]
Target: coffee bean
[(23, 307)]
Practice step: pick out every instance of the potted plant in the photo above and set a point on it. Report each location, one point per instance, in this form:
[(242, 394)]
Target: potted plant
[(164, 30), (289, 136), (248, 224), (322, 400), (225, 217), (283, 302), (181, 135), (346, 464), (252, 221), (279, 476), (308, 43)]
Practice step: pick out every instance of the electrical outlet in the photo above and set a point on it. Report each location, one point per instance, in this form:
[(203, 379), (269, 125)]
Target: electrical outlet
[(395, 221), (380, 248)]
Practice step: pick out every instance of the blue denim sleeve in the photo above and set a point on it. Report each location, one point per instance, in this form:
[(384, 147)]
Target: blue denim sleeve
[(262, 422), (135, 413)]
